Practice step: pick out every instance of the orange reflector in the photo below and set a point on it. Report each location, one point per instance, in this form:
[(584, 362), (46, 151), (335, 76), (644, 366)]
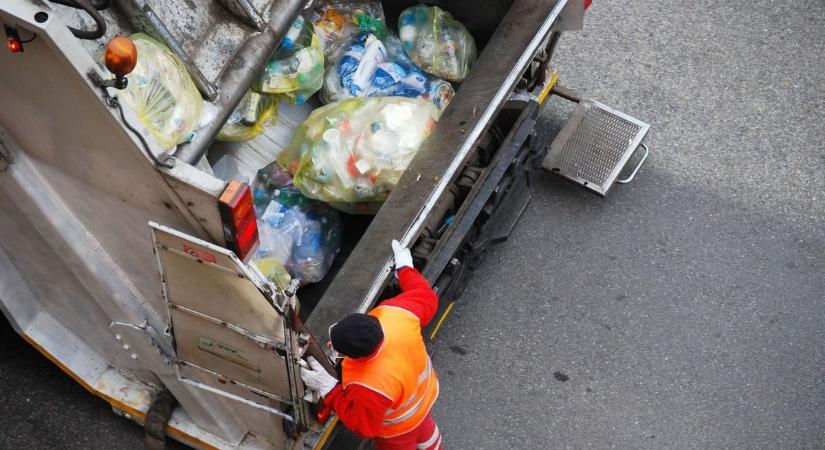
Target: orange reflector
[(120, 56), (238, 217)]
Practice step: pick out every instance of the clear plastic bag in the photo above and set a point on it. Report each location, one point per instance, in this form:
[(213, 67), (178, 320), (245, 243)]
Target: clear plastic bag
[(276, 232), (336, 22), (355, 150), (436, 42), (297, 68), (371, 67), (303, 234), (162, 94), (313, 255), (248, 120)]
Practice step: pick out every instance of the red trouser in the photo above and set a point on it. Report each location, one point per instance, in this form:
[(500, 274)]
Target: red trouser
[(424, 437)]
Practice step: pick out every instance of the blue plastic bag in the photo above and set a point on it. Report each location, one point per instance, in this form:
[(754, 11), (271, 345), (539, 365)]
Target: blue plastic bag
[(371, 67), (300, 233)]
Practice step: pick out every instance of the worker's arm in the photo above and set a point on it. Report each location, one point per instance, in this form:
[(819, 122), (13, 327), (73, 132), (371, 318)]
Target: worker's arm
[(416, 295), (360, 409)]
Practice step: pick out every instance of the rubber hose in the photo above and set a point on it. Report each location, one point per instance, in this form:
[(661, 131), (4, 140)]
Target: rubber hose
[(97, 4), (100, 29)]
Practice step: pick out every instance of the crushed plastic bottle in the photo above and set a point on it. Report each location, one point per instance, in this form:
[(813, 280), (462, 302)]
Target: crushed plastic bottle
[(354, 151), (250, 117), (162, 93), (297, 68), (337, 21), (373, 67), (302, 234), (436, 42)]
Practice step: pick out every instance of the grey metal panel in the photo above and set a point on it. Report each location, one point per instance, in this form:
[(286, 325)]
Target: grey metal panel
[(204, 344), (203, 34), (227, 322), (200, 194), (83, 156), (116, 25), (87, 190), (35, 276), (480, 96)]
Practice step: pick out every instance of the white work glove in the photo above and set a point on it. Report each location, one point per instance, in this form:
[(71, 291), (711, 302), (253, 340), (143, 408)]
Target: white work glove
[(402, 255), (317, 378)]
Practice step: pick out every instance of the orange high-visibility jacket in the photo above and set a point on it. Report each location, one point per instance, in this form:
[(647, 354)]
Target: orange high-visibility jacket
[(400, 370)]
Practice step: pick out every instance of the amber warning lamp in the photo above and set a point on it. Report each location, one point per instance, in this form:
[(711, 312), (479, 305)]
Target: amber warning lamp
[(120, 58)]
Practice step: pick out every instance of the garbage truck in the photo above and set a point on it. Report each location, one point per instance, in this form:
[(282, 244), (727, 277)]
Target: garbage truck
[(126, 262)]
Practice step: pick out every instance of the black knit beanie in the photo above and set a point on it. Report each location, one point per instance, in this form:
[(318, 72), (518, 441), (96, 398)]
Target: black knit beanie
[(356, 335)]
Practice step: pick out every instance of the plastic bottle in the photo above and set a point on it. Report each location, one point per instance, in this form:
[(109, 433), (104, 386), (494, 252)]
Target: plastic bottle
[(308, 257), (407, 30), (293, 34)]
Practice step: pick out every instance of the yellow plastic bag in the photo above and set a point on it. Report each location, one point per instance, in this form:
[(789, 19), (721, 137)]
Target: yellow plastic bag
[(354, 151), (248, 120), (436, 42), (273, 269), (162, 94)]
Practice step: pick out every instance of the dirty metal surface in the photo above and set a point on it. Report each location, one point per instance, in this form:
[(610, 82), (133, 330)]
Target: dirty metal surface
[(204, 35)]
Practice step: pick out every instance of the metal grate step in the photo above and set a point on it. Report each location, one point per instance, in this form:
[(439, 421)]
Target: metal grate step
[(594, 145)]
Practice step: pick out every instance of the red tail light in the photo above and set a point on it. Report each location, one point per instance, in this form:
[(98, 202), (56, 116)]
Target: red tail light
[(587, 3), (13, 42), (14, 45), (238, 215)]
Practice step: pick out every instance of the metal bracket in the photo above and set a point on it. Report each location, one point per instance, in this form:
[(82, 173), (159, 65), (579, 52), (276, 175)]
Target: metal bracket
[(292, 289), (148, 331), (166, 160)]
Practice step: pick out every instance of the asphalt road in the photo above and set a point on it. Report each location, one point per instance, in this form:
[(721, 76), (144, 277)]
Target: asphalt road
[(683, 311), (686, 309)]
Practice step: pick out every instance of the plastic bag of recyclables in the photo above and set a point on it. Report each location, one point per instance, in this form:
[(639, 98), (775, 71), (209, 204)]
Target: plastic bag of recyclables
[(249, 118), (437, 43), (297, 68), (371, 67), (162, 94), (299, 236), (336, 22), (353, 152)]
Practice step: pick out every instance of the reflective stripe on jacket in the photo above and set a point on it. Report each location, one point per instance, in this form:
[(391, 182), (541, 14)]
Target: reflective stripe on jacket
[(400, 370)]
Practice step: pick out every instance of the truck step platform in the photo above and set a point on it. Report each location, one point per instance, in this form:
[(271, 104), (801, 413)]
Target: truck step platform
[(595, 145)]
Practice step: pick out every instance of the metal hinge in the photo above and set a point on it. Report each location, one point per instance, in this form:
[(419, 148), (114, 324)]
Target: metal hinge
[(5, 156), (155, 340)]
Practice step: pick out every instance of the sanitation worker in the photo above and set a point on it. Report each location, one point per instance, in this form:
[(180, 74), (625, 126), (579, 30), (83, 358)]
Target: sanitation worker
[(388, 385)]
